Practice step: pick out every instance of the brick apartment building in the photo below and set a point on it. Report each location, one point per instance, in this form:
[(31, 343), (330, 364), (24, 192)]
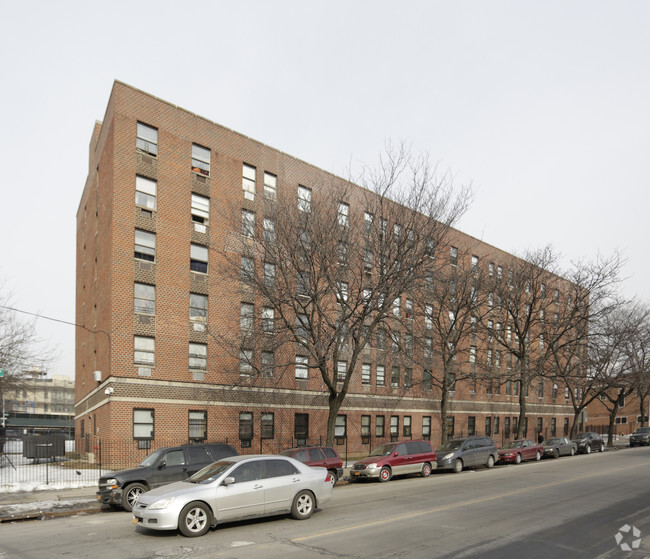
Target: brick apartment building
[(147, 369)]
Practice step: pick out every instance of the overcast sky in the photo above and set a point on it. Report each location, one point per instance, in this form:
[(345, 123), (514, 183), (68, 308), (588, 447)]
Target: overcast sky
[(541, 106)]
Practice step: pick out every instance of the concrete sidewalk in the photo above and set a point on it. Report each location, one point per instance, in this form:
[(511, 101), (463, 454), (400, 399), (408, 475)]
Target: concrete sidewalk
[(48, 504)]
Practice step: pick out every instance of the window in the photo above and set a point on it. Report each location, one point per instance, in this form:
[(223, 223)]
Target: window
[(394, 427), (304, 199), (472, 359), (268, 364), (406, 426), (200, 209), (145, 245), (553, 426), (499, 272), (340, 427), (368, 262), (491, 269), (246, 316), (381, 338), (198, 307), (245, 362), (201, 160), (301, 326), (145, 193), (344, 290), (269, 274), (381, 375), (488, 426), (566, 427), (198, 425), (301, 428), (303, 283), (268, 320), (428, 348), (247, 223), (143, 423), (247, 269), (368, 220), (540, 424), (344, 214), (342, 253), (245, 428), (302, 366), (394, 377), (365, 427), (427, 380), (144, 298), (144, 350), (554, 391), (267, 427), (380, 422), (198, 357), (471, 425), (408, 378), (248, 181), (453, 256), (199, 258), (506, 427), (269, 230), (428, 317), (365, 373), (341, 370), (270, 186), (426, 427), (396, 304), (408, 344), (496, 425), (540, 389), (474, 263), (409, 309), (147, 139)]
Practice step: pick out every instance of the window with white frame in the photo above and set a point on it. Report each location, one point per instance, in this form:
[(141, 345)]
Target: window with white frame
[(394, 427), (344, 214), (198, 307), (247, 223), (396, 307), (245, 428), (365, 373), (201, 160), (198, 356), (144, 350), (245, 362), (147, 139), (144, 298), (199, 258), (145, 245), (406, 426), (474, 263), (268, 320), (428, 348), (270, 186), (304, 198), (246, 316), (344, 290), (200, 209), (267, 425), (302, 367), (269, 230), (453, 255), (340, 426), (143, 423), (381, 375), (365, 426), (341, 370), (426, 427), (145, 193), (428, 317), (247, 269), (368, 221), (248, 181), (269, 274), (394, 377), (268, 364)]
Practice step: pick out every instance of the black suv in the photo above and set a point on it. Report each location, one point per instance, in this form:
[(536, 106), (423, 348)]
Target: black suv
[(640, 436), (588, 442), (165, 465)]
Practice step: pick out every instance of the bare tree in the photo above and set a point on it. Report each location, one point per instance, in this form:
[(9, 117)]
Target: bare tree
[(335, 265), (639, 354)]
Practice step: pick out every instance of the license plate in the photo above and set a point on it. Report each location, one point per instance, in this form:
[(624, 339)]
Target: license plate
[(355, 473), (135, 520)]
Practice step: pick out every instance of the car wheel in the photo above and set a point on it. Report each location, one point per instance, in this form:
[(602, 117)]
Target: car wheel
[(556, 453), (490, 461), (518, 459), (131, 494), (303, 505), (426, 470), (333, 477), (385, 474), (194, 520), (602, 447), (458, 466), (588, 449), (573, 451), (631, 445), (538, 456)]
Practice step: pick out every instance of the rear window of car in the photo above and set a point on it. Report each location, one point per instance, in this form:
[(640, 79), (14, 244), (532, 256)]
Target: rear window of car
[(419, 447), (219, 451), (330, 453), (301, 455), (198, 455), (278, 468), (315, 455)]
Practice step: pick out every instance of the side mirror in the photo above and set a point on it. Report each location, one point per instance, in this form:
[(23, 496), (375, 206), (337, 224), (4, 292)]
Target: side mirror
[(229, 481), (396, 453), (162, 464)]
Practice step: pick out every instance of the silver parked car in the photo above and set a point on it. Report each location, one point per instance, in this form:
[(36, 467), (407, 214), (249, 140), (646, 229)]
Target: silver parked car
[(235, 488)]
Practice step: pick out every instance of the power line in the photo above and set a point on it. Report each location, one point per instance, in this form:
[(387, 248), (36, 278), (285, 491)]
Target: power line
[(56, 320)]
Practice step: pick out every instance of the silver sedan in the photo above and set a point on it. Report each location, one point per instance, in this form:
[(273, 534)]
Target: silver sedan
[(234, 488)]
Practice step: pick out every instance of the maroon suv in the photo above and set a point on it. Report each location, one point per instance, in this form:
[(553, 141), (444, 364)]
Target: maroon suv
[(324, 456)]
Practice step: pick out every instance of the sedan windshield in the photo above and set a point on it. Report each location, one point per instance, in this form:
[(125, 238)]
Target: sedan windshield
[(513, 444), (642, 430), (151, 459), (383, 450), (210, 472), (451, 445)]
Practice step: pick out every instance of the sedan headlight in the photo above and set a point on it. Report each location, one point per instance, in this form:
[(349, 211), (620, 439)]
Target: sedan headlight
[(162, 503), (448, 456)]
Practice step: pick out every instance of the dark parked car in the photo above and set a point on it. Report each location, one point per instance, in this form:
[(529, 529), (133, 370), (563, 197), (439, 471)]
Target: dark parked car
[(468, 452), (165, 465), (640, 436), (559, 446), (323, 456), (403, 457), (588, 442), (518, 451)]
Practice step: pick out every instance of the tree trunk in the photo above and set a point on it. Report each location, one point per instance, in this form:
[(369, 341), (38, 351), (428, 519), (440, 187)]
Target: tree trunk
[(612, 419), (522, 411), (444, 405), (643, 412), (576, 420), (335, 402)]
